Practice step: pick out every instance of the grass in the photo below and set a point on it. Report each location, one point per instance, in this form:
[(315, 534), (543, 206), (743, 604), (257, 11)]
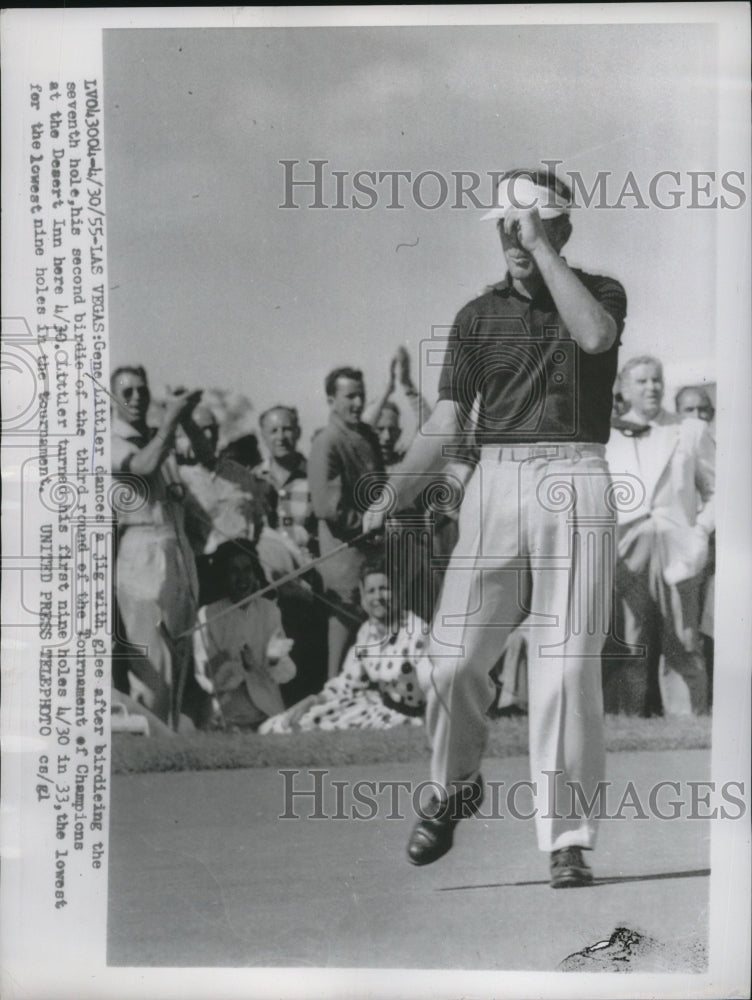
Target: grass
[(508, 737)]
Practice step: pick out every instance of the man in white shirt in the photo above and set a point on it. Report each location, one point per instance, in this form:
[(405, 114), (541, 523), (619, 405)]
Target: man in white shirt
[(667, 465), (155, 569)]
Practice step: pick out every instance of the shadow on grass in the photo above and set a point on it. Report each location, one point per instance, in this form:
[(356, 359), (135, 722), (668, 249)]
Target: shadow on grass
[(613, 880)]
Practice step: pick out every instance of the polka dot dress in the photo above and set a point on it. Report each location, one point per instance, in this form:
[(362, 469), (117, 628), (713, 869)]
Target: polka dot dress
[(377, 688)]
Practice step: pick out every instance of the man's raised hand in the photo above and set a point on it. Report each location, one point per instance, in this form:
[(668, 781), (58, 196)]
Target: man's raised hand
[(373, 520), (526, 226)]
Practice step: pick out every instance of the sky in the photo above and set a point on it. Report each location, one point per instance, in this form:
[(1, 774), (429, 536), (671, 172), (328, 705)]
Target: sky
[(212, 284)]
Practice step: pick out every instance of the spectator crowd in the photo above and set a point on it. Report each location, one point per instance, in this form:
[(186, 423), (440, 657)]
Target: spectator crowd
[(249, 597)]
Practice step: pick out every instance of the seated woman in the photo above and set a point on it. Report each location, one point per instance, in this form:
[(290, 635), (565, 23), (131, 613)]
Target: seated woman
[(378, 686), (241, 654)]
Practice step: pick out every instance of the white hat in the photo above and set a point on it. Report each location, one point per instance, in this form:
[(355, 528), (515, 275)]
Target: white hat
[(521, 192)]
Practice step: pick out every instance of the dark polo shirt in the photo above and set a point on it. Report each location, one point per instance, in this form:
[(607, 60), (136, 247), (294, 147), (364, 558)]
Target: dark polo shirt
[(533, 381)]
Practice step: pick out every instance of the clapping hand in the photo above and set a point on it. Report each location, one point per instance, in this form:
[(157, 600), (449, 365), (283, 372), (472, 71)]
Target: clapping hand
[(373, 520), (277, 647), (402, 360), (181, 402), (392, 375)]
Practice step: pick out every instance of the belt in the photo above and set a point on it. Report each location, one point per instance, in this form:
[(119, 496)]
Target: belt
[(552, 451), (168, 530)]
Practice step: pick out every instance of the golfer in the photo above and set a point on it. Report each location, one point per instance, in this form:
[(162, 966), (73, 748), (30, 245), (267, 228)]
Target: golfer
[(537, 356)]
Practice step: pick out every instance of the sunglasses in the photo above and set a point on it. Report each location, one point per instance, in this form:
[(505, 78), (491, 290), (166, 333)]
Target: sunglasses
[(134, 390)]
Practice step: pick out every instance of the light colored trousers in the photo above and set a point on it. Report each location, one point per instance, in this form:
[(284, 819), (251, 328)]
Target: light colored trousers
[(156, 581), (341, 578), (536, 543), (667, 617)]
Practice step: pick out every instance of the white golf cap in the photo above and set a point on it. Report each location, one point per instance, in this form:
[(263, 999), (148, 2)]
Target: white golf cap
[(521, 192)]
